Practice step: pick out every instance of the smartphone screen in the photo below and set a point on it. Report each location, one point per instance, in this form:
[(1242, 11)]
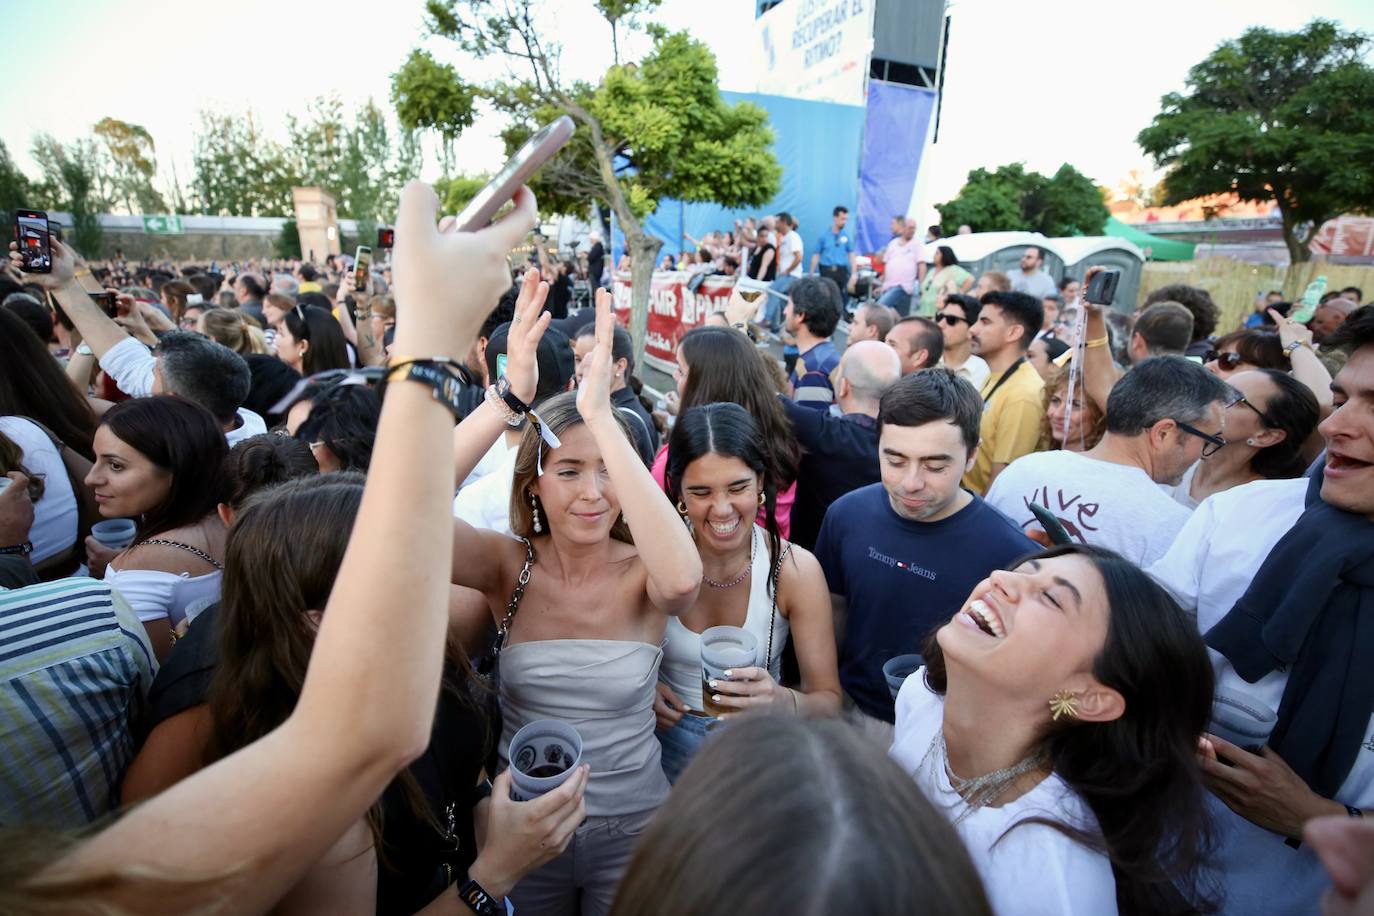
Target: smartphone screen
[(500, 365), (386, 237), (106, 301), (539, 149), (32, 233), (361, 262)]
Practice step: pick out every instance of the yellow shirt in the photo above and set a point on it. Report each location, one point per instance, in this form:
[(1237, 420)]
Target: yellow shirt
[(309, 286), (1011, 422)]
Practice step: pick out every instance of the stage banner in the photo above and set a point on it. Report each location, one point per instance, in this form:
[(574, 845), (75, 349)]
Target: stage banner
[(815, 49), (673, 310)]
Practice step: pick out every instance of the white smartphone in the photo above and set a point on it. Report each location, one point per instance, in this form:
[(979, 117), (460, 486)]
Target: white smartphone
[(538, 150)]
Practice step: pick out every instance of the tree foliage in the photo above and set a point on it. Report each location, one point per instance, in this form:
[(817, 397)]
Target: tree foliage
[(1011, 198), (239, 170), (455, 193), (1281, 116), (72, 181), (647, 131), (132, 163), (432, 96), (15, 193)]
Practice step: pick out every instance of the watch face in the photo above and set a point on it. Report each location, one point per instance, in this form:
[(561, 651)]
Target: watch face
[(502, 386)]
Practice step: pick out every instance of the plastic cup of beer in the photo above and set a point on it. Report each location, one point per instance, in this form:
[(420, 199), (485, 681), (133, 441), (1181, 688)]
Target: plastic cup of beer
[(114, 533), (723, 649), (898, 668), (1242, 720), (542, 756)]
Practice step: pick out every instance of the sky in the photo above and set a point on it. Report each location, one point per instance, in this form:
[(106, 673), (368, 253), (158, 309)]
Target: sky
[(1071, 81)]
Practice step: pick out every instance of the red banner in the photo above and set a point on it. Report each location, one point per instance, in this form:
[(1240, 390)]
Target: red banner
[(673, 310)]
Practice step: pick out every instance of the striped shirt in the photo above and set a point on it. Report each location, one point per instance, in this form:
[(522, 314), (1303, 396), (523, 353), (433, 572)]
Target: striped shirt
[(75, 669), (811, 376)]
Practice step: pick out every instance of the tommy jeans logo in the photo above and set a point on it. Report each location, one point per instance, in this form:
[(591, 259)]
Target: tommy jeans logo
[(900, 564)]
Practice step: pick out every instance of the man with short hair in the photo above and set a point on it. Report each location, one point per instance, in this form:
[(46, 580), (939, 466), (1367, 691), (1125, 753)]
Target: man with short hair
[(991, 281), (1353, 293), (74, 678), (871, 322), (1163, 329), (1013, 408), (932, 235), (1032, 279), (918, 343), (903, 269), (840, 453), (955, 318), (1163, 416), (309, 278), (1051, 306), (1199, 302), (1329, 316), (902, 555), (811, 314), (1278, 574), (834, 256), (249, 291)]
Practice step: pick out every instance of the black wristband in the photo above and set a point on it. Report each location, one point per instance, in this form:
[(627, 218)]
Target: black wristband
[(513, 402), (477, 899), (1353, 811), (17, 550), (446, 387)]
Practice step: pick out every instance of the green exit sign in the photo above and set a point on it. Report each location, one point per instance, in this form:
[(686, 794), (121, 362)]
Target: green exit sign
[(162, 225)]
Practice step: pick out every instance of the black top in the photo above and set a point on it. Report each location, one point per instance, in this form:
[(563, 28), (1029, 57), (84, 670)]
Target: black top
[(596, 263), (411, 864), (641, 424), (839, 454), (560, 294), (757, 258), (272, 380)]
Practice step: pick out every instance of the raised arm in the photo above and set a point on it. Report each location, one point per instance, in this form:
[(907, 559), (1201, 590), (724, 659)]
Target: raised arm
[(367, 705), (665, 546), (1099, 372), (98, 329), (1307, 367)]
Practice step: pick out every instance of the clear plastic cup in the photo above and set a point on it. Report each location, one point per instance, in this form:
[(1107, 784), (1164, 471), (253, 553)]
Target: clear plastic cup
[(542, 756)]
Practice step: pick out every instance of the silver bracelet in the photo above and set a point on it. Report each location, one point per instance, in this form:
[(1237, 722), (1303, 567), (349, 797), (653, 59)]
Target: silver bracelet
[(512, 418)]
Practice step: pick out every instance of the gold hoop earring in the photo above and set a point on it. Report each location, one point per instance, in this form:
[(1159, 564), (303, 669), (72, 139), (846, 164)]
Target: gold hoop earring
[(681, 509), (1063, 703), (763, 498)]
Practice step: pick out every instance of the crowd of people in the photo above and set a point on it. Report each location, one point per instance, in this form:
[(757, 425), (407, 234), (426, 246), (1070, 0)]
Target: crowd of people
[(372, 530)]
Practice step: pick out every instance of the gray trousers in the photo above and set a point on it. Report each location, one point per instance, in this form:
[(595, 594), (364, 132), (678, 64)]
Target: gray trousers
[(584, 878)]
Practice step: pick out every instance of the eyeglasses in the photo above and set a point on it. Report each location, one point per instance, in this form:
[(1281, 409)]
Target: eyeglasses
[(1264, 417), (1227, 360), (1213, 445), (951, 320)]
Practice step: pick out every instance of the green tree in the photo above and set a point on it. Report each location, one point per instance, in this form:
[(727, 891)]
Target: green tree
[(458, 191), (647, 131), (1012, 198), (239, 170), (288, 244), (132, 157), (14, 188), (618, 11), (72, 181), (429, 95), (1275, 116)]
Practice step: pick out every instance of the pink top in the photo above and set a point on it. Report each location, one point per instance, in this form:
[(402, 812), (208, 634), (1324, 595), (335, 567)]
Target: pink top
[(899, 263), (785, 497)]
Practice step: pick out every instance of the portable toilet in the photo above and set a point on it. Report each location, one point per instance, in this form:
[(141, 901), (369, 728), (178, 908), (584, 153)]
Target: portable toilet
[(1082, 252), (979, 252)]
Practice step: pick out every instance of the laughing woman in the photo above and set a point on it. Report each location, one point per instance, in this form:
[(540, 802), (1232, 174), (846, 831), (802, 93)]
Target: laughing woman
[(582, 599), (1056, 727), (718, 474)]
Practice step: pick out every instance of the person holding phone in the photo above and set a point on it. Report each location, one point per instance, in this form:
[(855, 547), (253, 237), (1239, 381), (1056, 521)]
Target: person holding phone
[(583, 597)]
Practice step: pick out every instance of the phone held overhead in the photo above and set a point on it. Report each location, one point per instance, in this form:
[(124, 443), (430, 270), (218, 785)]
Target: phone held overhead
[(34, 236)]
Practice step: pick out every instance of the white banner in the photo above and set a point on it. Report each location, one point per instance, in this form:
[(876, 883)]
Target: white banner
[(815, 49)]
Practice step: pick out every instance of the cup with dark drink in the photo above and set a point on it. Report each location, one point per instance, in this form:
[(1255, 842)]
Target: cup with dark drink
[(1242, 720), (724, 649), (542, 756), (898, 668)]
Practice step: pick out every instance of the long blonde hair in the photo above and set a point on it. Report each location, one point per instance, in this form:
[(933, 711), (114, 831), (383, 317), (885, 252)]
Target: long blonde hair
[(235, 330)]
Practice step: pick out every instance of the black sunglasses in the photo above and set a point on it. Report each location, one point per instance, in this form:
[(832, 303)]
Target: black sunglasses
[(951, 320), (1227, 360), (1264, 417), (1214, 443)]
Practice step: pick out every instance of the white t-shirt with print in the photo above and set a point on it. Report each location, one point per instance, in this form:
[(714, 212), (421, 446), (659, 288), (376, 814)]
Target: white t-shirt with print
[(1108, 505), (1207, 570), (1027, 870)]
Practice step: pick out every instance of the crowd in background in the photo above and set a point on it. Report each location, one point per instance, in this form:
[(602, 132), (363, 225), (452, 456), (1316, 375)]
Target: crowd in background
[(380, 520)]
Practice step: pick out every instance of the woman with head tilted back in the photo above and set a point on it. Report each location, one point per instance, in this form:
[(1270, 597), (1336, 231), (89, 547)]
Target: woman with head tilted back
[(1056, 726), (582, 599), (718, 477)]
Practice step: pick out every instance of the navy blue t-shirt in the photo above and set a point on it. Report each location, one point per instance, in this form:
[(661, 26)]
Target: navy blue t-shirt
[(903, 579)]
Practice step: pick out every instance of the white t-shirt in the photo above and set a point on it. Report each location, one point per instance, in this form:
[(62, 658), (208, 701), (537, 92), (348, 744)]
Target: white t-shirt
[(1108, 505), (974, 370), (1033, 870), (1207, 570), (486, 503), (492, 461), (56, 514), (790, 245)]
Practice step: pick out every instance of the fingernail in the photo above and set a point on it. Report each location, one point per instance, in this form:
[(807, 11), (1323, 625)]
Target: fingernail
[(713, 684), (715, 698), (729, 672)]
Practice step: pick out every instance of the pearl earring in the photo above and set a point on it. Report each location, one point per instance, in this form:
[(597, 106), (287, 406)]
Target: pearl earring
[(534, 505), (1249, 441)]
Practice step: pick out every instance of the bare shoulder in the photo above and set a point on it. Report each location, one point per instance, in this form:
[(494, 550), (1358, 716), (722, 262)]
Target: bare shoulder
[(169, 558), (800, 570)]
